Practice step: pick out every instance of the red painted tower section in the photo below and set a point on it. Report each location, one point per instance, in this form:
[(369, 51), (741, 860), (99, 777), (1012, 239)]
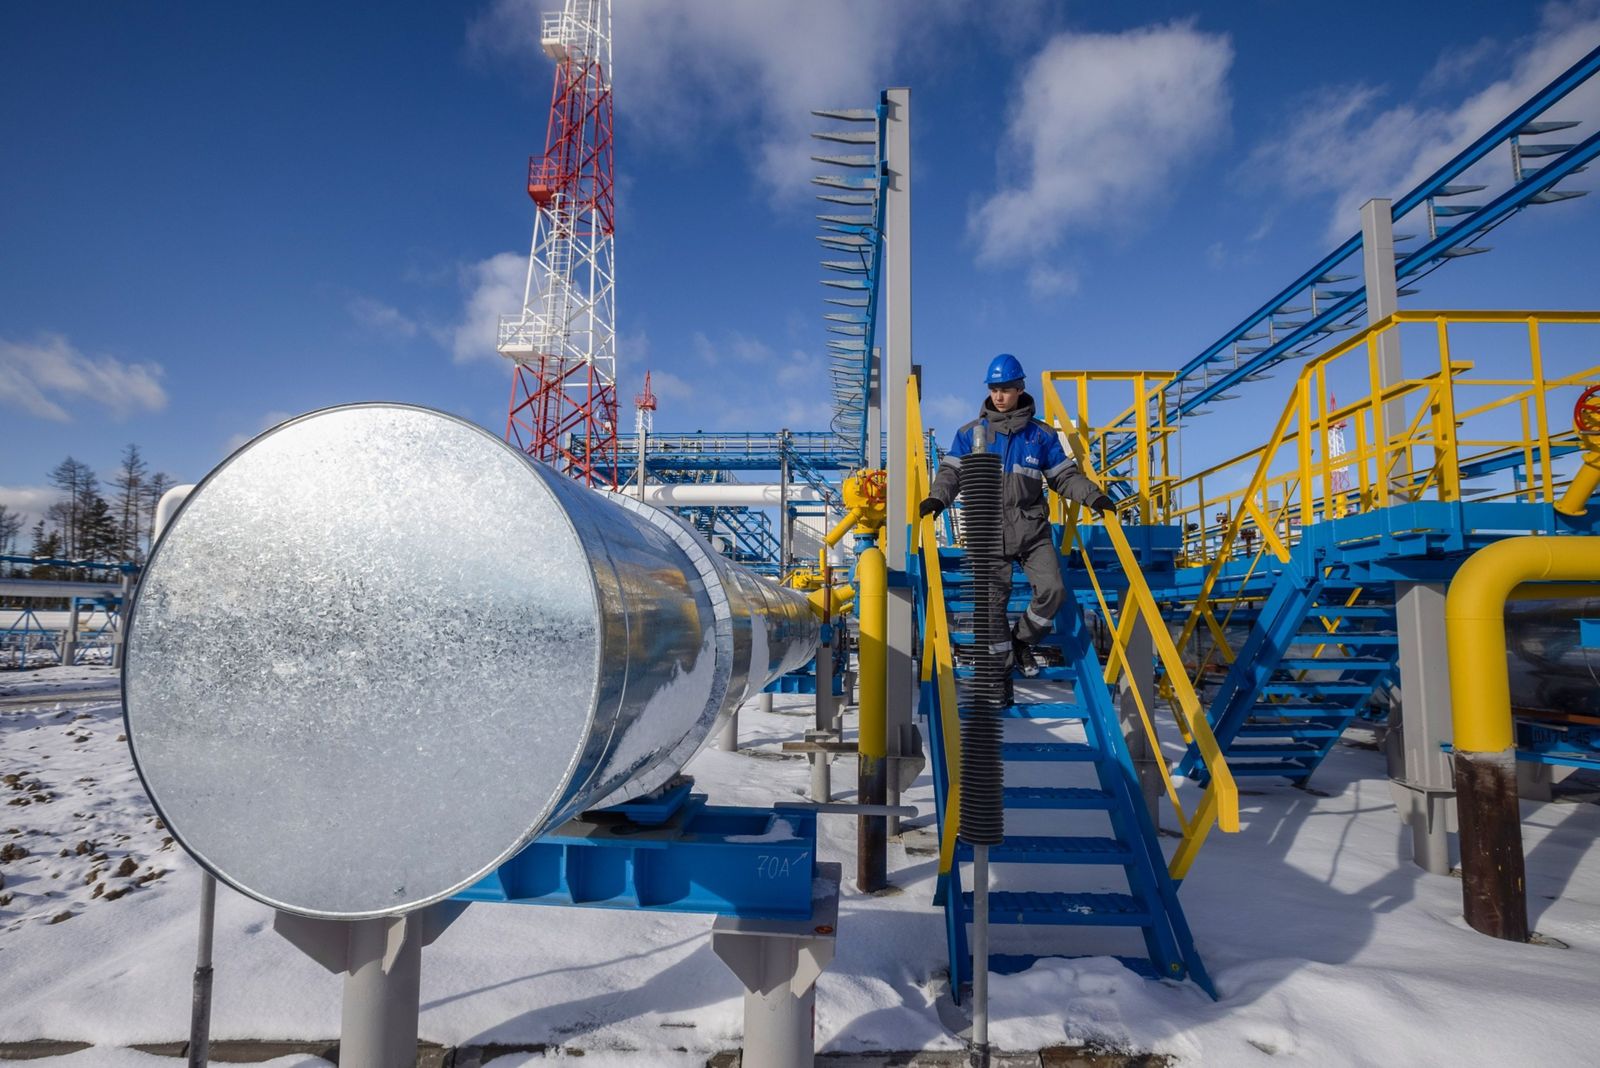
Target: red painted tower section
[(563, 408)]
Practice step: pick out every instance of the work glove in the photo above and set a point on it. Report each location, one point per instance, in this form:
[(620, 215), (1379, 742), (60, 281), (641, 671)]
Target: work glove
[(929, 506), (1102, 504)]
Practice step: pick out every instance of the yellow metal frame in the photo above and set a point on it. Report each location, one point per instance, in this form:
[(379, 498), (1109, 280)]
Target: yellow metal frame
[(1219, 803)]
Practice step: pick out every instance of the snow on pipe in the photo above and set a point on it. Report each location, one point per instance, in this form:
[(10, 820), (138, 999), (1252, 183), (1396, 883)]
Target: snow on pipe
[(378, 651)]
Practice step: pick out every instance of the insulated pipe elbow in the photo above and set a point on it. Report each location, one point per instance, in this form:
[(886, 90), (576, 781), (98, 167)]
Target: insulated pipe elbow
[(1475, 626)]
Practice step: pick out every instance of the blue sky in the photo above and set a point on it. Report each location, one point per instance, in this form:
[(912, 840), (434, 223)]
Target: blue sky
[(216, 216)]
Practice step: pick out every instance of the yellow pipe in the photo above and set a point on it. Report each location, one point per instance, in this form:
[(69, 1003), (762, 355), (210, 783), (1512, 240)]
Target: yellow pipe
[(851, 518), (1474, 617), (842, 596), (872, 607), (1575, 502)]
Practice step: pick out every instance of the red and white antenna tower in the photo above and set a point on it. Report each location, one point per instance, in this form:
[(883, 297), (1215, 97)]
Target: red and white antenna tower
[(563, 343), (644, 420)]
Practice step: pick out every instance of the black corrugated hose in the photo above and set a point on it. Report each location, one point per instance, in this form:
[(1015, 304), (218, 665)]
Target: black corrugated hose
[(982, 778)]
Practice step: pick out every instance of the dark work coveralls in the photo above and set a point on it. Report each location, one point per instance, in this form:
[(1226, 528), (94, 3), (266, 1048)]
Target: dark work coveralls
[(1031, 456)]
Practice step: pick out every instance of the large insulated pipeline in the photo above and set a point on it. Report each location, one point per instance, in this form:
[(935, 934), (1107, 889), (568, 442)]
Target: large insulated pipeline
[(982, 780), (378, 651)]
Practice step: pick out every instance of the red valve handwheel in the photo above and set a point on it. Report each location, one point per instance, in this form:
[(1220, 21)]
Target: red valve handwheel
[(1586, 413)]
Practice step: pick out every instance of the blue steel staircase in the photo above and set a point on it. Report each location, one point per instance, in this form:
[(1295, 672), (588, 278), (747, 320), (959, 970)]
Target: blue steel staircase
[(1319, 646), (1093, 857)]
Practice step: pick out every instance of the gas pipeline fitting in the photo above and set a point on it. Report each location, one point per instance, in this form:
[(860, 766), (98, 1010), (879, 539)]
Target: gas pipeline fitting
[(1586, 422)]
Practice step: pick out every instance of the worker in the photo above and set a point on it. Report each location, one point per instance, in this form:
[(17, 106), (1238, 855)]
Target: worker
[(1031, 456)]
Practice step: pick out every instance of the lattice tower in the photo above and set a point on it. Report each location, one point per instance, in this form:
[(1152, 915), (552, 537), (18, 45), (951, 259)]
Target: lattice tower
[(563, 343)]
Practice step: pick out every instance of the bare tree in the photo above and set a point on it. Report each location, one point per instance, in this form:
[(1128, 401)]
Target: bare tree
[(129, 505), (155, 487)]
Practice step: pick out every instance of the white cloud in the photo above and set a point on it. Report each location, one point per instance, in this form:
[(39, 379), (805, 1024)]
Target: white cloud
[(1343, 142), (266, 422), (495, 287), (1102, 123), (30, 502), (381, 318), (42, 376), (687, 69), (1045, 281)]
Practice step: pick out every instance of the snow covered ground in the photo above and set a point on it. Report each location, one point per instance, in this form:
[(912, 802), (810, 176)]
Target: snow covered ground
[(1328, 946)]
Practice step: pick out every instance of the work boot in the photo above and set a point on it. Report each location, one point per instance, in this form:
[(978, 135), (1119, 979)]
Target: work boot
[(1022, 657)]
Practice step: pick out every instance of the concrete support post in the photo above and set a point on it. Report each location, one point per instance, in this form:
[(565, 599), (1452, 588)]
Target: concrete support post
[(779, 962), (727, 738), (1139, 678), (1383, 300), (382, 963), (381, 990), (900, 668), (118, 644), (1424, 788), (69, 637)]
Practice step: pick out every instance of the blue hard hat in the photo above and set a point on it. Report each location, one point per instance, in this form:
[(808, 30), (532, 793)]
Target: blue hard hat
[(1002, 369)]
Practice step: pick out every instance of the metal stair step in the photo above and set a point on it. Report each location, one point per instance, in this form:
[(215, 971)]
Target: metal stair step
[(1305, 687), (1081, 909), (1017, 603), (1351, 611), (1293, 728), (1057, 798), (1054, 849), (1039, 710), (1345, 637), (1286, 749), (1335, 663), (1047, 751), (1306, 712), (1046, 674)]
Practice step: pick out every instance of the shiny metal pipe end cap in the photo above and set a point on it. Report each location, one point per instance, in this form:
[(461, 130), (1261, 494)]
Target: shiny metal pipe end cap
[(360, 626)]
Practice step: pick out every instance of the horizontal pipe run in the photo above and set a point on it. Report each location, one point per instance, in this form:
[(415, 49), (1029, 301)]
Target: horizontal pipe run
[(720, 495), (378, 650)]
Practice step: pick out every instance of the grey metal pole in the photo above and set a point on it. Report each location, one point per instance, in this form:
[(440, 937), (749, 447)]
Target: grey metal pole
[(784, 538), (1424, 791), (381, 991), (1139, 678), (821, 766), (980, 954), (200, 1007), (69, 637), (1383, 300), (727, 738), (899, 664)]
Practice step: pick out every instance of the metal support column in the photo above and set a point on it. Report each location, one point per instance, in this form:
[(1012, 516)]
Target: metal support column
[(1424, 786), (901, 671), (69, 637), (382, 962), (785, 536), (827, 712), (378, 1026), (1139, 677), (1383, 300), (779, 961)]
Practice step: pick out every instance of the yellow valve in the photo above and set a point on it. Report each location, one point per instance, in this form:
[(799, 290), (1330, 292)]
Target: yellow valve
[(804, 579), (866, 494)]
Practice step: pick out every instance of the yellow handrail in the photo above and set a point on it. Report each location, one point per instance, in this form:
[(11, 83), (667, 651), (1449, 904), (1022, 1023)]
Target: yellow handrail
[(1219, 803), (938, 658)]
